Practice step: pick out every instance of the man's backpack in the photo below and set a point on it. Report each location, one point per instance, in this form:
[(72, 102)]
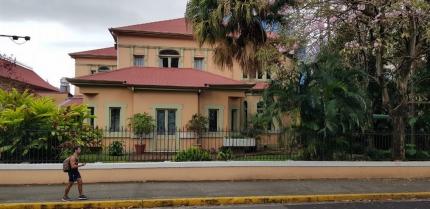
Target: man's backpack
[(66, 165)]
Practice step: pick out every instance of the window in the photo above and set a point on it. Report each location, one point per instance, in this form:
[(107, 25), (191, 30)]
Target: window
[(103, 69), (169, 59), (92, 113), (198, 63), (166, 118), (268, 75), (245, 113), (244, 74), (260, 110), (213, 120), (233, 122), (260, 106), (114, 118), (260, 74), (139, 60)]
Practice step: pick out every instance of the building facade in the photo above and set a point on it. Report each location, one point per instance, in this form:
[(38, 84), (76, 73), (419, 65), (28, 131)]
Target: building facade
[(159, 68)]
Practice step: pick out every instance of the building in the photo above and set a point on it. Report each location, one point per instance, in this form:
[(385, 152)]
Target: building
[(16, 75), (160, 69)]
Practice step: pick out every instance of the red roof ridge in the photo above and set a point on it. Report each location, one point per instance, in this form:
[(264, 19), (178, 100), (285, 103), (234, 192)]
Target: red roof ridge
[(146, 23), (100, 52)]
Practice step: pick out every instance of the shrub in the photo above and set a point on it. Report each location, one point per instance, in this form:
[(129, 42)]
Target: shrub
[(116, 148), (225, 154), (193, 154), (376, 154)]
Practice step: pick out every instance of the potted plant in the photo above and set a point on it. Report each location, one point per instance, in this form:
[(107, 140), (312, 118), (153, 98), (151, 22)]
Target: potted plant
[(198, 124), (142, 124)]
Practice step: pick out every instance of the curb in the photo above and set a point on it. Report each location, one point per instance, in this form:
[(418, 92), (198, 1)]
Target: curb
[(207, 201)]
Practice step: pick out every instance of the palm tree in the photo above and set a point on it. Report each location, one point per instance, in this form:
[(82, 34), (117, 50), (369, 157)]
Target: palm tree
[(236, 28)]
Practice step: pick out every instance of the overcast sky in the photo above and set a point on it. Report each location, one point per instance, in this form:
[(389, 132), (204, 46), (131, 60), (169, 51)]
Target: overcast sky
[(58, 27)]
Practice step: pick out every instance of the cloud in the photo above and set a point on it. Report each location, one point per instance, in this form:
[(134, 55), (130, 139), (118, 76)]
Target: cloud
[(58, 27), (90, 15)]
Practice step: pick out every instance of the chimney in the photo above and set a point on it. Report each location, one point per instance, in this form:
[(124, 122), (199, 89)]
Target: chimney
[(64, 86)]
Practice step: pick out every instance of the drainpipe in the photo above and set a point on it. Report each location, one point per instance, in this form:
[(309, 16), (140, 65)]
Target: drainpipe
[(198, 101)]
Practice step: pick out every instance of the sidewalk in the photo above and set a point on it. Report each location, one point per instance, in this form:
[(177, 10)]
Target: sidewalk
[(152, 190)]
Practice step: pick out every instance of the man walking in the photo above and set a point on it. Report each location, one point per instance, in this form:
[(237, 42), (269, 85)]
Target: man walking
[(74, 175)]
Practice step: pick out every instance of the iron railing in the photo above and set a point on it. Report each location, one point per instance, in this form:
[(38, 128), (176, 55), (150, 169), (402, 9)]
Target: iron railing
[(125, 146)]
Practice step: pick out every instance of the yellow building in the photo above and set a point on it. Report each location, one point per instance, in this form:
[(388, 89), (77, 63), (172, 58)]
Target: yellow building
[(160, 69)]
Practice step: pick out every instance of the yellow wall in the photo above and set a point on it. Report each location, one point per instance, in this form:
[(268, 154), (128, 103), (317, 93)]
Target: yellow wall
[(57, 97), (84, 66), (188, 49), (186, 103)]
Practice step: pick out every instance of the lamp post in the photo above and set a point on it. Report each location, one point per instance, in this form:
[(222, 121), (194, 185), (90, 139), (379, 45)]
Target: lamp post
[(16, 37)]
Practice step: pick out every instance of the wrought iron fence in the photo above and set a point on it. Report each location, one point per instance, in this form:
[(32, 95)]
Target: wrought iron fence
[(125, 146)]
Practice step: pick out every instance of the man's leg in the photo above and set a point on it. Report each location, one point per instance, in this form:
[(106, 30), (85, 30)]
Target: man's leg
[(68, 186), (80, 186)]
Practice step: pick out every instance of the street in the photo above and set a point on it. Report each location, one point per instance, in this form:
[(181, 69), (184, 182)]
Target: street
[(355, 205)]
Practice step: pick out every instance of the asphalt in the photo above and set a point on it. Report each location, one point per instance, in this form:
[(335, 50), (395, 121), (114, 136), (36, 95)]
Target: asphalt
[(354, 205), (151, 190)]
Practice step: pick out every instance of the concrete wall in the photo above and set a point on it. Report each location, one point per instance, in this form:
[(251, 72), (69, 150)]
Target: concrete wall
[(214, 171)]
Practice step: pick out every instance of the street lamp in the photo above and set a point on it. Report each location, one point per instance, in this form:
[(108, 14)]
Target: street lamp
[(15, 38)]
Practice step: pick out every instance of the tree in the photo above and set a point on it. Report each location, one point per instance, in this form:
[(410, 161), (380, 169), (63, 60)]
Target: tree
[(388, 40), (237, 29), (31, 124), (198, 124)]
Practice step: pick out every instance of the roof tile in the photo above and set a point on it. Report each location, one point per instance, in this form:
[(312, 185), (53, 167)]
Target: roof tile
[(154, 76), (103, 52), (14, 71), (173, 26)]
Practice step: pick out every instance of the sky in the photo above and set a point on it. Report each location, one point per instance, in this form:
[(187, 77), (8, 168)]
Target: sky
[(59, 27)]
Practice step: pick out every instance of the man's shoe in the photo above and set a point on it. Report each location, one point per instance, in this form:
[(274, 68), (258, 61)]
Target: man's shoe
[(82, 197), (66, 199)]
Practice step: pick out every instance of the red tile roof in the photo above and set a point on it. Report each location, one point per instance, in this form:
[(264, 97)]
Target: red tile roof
[(76, 100), (260, 86), (172, 27), (14, 71), (160, 77), (109, 52)]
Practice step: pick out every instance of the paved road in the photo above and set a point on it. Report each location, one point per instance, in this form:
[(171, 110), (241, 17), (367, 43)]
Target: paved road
[(37, 193), (356, 205)]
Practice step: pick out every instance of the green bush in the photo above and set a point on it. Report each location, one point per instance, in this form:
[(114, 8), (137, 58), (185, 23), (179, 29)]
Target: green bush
[(193, 154), (116, 148), (225, 154), (376, 154)]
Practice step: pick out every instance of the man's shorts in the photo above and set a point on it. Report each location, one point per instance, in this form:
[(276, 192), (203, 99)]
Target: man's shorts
[(74, 175)]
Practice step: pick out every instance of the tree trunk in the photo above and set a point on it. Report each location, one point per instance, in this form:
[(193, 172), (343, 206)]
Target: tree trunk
[(399, 135)]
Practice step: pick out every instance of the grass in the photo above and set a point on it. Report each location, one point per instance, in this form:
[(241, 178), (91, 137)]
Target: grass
[(103, 157)]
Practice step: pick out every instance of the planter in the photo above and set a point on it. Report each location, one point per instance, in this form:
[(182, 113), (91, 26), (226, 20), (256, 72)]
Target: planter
[(239, 142), (140, 148)]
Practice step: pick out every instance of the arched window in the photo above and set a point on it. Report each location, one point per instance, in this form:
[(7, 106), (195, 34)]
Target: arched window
[(169, 58), (103, 69)]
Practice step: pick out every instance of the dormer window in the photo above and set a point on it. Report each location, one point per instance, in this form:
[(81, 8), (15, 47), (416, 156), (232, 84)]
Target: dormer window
[(103, 69), (138, 60), (198, 63), (169, 58)]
